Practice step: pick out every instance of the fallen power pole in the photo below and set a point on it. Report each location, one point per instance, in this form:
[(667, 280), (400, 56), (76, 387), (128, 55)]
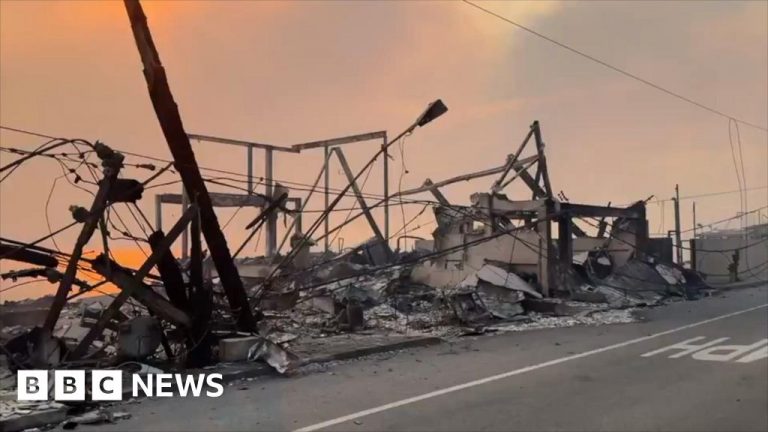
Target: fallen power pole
[(184, 160)]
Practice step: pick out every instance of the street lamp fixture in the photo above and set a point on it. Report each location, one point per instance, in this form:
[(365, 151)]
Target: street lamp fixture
[(433, 111)]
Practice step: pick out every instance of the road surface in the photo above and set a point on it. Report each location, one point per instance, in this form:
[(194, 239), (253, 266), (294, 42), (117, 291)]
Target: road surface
[(623, 377)]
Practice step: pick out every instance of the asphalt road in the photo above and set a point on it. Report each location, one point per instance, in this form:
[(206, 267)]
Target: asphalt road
[(579, 378)]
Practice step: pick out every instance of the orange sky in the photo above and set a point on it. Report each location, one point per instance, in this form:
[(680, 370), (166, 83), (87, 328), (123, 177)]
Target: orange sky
[(288, 72)]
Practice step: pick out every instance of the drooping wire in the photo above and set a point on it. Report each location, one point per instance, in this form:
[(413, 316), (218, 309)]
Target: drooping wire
[(614, 68), (725, 220), (226, 224)]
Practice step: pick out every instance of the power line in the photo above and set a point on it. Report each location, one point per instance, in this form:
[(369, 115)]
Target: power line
[(289, 183), (709, 194), (616, 69), (40, 240), (727, 219), (37, 134), (739, 175), (406, 201)]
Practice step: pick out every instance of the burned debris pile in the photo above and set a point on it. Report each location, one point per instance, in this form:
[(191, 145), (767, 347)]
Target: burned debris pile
[(494, 260), (494, 264)]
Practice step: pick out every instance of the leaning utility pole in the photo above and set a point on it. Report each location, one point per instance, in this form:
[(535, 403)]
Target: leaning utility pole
[(112, 162), (184, 161), (678, 242)]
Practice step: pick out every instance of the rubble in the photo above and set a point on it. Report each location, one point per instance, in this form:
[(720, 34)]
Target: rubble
[(493, 265), (236, 348), (492, 275), (280, 359), (97, 416), (17, 416), (537, 322), (139, 337)]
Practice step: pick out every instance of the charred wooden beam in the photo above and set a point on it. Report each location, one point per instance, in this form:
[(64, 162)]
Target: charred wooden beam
[(178, 142), (128, 288), (126, 281), (170, 273), (201, 305), (15, 253), (112, 162), (196, 255)]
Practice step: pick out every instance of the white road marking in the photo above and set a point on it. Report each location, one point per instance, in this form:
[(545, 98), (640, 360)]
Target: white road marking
[(436, 393), (709, 351)]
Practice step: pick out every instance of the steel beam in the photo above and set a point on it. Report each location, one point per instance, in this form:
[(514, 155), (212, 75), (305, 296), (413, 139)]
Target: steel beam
[(546, 257), (385, 168), (269, 188), (565, 241), (510, 161), (586, 210), (542, 158), (326, 195), (360, 198), (240, 143), (465, 177), (433, 189), (504, 207), (339, 141), (520, 168), (219, 199), (602, 225)]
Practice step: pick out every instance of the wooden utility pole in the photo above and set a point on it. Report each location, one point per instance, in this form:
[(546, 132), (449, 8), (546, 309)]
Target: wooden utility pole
[(694, 219), (184, 161), (112, 162), (693, 243), (678, 241)]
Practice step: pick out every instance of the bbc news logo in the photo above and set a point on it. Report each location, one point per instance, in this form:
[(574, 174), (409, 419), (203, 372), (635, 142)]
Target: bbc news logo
[(107, 385)]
